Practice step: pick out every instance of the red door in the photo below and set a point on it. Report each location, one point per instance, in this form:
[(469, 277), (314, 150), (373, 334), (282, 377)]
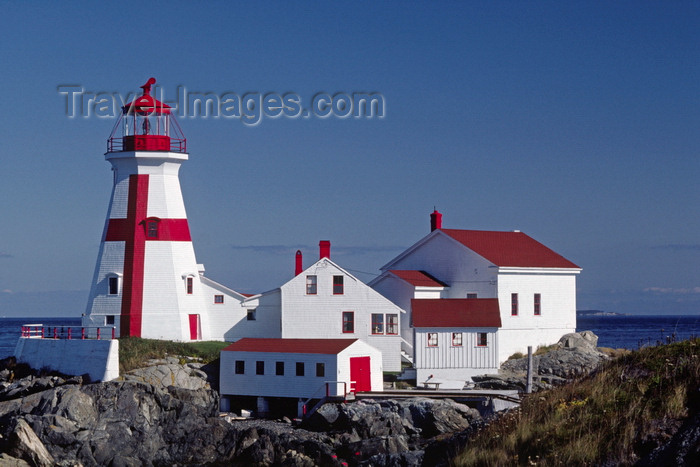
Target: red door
[(360, 374), (195, 328)]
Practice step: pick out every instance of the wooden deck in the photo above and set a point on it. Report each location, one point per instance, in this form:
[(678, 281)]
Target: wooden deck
[(464, 394)]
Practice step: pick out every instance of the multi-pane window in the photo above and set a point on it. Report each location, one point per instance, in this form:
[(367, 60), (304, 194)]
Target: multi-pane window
[(337, 285), (482, 339), (109, 320), (240, 367), (152, 229), (432, 339), (538, 303), (377, 323), (113, 284), (348, 322), (392, 323), (190, 285), (311, 286), (300, 368), (279, 368), (514, 304), (456, 339), (320, 370), (259, 368), (471, 295), (218, 299)]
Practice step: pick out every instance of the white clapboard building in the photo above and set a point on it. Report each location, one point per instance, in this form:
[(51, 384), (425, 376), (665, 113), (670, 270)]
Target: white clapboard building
[(299, 368), (535, 290), (325, 301)]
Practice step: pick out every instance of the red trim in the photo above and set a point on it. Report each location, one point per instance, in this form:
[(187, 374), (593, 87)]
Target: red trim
[(134, 253)]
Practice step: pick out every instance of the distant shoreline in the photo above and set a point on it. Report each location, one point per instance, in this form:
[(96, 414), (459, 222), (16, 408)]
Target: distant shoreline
[(599, 313)]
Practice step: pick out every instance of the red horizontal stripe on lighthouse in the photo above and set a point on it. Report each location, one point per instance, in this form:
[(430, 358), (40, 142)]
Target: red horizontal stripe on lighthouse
[(169, 230)]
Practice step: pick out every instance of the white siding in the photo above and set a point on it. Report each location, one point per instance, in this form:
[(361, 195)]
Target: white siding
[(455, 360), (320, 315), (558, 309), (337, 368), (270, 384)]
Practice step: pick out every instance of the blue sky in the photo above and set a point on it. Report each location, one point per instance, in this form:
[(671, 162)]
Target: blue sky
[(575, 122)]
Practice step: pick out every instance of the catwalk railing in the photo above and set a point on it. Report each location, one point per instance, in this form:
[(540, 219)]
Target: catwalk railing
[(39, 331)]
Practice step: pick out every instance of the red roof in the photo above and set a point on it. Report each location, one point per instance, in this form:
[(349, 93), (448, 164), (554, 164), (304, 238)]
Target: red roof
[(455, 313), (418, 278), (322, 346), (514, 249)]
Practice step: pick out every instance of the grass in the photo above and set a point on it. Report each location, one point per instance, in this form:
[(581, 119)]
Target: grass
[(541, 350), (134, 352), (614, 416)]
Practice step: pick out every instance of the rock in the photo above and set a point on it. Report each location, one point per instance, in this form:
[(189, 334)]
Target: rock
[(584, 340), (24, 444), (8, 461)]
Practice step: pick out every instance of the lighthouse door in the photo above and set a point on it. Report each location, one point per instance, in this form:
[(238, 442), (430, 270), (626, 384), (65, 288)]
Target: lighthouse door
[(195, 328), (360, 374)]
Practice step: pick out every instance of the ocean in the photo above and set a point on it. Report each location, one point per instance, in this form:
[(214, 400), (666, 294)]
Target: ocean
[(620, 332)]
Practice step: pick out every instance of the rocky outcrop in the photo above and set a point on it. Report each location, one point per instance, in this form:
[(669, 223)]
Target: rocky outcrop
[(171, 371), (58, 420), (574, 355)]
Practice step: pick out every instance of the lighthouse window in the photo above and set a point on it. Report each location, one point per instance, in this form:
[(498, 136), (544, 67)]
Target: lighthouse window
[(190, 285), (113, 283), (538, 302), (514, 304), (152, 229), (109, 320), (218, 299)]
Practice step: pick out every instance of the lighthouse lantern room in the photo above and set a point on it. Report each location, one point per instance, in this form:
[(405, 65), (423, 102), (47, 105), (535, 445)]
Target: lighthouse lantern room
[(147, 124), (147, 280)]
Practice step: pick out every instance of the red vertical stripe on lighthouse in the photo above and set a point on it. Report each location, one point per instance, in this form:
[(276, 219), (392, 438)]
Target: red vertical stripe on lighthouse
[(134, 254)]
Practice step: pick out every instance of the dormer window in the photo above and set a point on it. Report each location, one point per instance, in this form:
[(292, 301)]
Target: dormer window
[(152, 228), (113, 283), (150, 225)]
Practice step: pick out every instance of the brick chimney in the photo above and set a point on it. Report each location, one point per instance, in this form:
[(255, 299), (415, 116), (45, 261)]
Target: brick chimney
[(324, 247), (298, 267), (435, 220)]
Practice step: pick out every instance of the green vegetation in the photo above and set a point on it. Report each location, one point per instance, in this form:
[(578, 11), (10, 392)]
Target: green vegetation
[(614, 416), (135, 352), (541, 350)]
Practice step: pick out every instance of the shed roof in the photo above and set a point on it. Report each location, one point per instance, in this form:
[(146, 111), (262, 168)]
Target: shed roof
[(456, 313), (317, 346), (418, 278), (514, 249)]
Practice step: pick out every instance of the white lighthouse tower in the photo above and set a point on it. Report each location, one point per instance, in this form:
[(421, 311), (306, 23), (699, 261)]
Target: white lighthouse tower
[(147, 281)]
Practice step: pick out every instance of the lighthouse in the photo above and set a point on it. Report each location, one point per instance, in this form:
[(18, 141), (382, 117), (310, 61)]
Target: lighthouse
[(147, 282)]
